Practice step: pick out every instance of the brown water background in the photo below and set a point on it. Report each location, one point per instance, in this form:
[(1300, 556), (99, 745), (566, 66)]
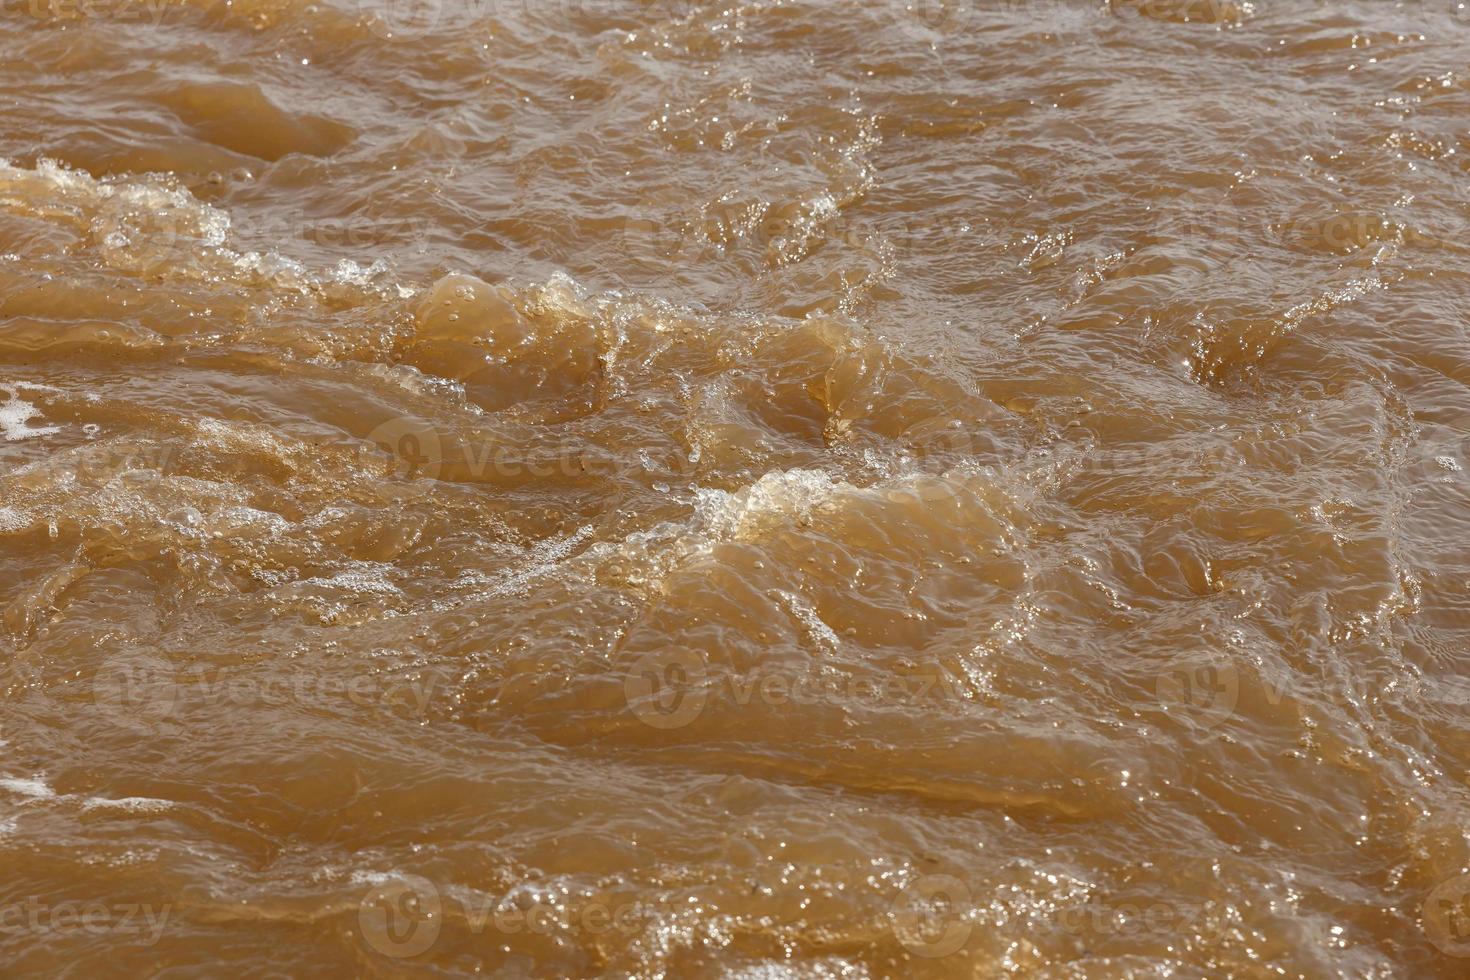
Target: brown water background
[(669, 488)]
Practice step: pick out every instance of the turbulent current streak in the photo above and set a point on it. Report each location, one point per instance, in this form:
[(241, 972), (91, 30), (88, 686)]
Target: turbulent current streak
[(790, 488)]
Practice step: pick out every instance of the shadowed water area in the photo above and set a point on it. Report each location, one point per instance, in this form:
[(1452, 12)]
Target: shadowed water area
[(793, 488)]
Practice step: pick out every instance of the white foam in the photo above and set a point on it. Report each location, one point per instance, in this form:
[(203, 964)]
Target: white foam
[(133, 804), (778, 496), (353, 274), (149, 222), (365, 577), (34, 788), (16, 414)]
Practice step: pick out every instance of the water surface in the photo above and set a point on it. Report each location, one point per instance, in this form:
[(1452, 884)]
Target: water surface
[(665, 488)]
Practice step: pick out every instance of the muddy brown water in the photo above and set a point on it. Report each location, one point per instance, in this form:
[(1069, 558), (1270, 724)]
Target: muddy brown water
[(661, 488)]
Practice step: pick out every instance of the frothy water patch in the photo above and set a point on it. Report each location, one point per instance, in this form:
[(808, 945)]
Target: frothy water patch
[(15, 416), (131, 804), (34, 788)]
